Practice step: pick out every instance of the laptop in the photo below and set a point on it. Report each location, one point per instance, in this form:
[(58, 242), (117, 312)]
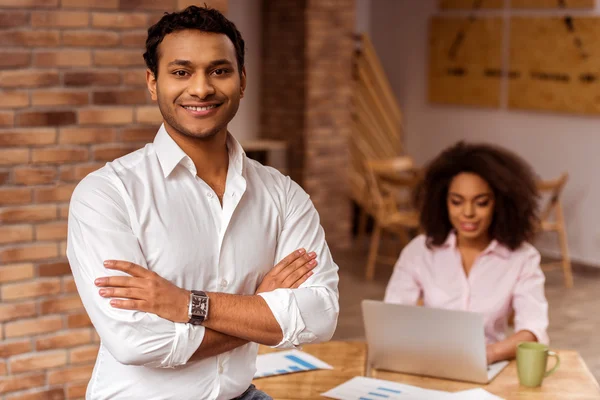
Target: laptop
[(427, 341)]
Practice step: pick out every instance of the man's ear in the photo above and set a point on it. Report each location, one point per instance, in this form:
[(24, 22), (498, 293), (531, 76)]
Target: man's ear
[(243, 82), (151, 83)]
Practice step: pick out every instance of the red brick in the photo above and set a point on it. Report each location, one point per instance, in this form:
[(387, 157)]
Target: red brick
[(63, 341), (111, 152), (135, 77), (54, 269), (78, 135), (61, 305), (14, 99), (60, 19), (50, 394), (63, 58), (15, 196), (75, 173), (148, 115), (220, 5), (14, 59), (119, 20), (14, 347), (4, 177), (76, 390), (28, 137), (34, 176), (3, 369), (38, 361), (69, 285), (9, 312), (127, 96), (34, 326), (29, 3), (134, 39), (139, 134), (62, 250), (30, 38), (27, 214), (38, 251), (118, 58), (13, 19), (59, 98), (106, 116), (84, 354), (91, 78), (165, 5), (87, 4), (56, 194), (14, 234), (20, 382), (90, 38), (15, 272), (46, 118), (80, 320), (51, 231), (58, 155), (7, 118), (28, 78), (95, 337), (72, 374), (14, 156), (63, 211)]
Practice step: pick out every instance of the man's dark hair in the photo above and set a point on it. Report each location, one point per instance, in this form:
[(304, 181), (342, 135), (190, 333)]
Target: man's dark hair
[(511, 179), (201, 18)]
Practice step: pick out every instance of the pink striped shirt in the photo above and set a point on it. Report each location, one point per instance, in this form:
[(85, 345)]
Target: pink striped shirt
[(500, 279)]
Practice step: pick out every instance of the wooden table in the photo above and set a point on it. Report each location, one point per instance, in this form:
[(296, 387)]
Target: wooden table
[(572, 380), (347, 358)]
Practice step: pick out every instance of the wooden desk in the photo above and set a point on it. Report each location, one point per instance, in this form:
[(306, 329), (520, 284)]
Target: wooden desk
[(572, 380), (347, 358)]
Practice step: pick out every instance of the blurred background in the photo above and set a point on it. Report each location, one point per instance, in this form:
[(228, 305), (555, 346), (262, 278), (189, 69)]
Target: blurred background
[(333, 87)]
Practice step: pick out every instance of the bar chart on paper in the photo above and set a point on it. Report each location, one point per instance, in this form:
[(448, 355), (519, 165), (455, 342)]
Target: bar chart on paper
[(361, 388), (287, 362)]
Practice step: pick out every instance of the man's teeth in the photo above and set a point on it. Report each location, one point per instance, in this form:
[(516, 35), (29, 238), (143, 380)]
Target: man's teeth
[(192, 108)]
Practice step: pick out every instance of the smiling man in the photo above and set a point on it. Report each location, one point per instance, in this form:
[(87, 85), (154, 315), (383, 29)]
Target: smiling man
[(172, 247)]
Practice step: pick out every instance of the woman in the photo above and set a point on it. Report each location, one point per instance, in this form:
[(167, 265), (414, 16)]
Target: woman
[(478, 207)]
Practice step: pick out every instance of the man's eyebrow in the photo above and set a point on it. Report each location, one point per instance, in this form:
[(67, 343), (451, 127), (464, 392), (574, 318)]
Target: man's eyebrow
[(182, 63)]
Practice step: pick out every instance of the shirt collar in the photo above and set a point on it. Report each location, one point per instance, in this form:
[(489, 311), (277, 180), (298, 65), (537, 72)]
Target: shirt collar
[(170, 154), (494, 246)]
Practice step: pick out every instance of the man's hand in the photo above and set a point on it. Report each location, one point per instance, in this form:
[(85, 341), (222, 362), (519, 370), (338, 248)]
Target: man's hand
[(290, 272), (144, 291)]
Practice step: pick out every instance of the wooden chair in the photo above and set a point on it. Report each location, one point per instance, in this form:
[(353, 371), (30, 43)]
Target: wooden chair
[(552, 220), (390, 185)]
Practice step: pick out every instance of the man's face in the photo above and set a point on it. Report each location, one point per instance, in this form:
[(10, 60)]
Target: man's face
[(199, 87)]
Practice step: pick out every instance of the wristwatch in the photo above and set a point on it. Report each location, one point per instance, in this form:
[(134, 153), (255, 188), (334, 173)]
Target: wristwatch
[(198, 307)]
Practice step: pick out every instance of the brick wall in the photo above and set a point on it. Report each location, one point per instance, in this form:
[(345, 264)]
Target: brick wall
[(306, 86), (72, 96)]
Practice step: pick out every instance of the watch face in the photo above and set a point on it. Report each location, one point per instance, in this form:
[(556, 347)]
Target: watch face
[(199, 305)]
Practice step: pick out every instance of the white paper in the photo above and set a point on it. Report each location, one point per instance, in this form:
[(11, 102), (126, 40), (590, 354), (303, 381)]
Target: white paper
[(475, 394), (361, 388), (287, 362)]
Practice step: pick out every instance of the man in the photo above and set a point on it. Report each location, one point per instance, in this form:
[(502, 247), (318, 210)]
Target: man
[(172, 247)]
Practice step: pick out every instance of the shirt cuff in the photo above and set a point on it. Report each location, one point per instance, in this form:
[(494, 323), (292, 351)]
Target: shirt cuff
[(187, 340), (540, 334), (282, 303)]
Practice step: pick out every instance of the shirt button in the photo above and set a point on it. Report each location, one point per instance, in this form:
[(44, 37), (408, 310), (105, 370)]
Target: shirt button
[(224, 282), (209, 194)]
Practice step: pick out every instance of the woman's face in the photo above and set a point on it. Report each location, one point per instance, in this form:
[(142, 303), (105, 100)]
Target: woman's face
[(470, 206)]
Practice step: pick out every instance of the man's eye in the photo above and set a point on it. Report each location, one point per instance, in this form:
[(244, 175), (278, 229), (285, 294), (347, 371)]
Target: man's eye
[(180, 73), (220, 71)]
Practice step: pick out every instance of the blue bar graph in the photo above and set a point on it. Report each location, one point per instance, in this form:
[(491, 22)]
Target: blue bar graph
[(365, 398), (295, 369), (301, 362), (388, 390), (379, 394)]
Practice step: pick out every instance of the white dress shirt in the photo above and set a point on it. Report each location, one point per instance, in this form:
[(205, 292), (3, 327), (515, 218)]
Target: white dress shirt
[(149, 207)]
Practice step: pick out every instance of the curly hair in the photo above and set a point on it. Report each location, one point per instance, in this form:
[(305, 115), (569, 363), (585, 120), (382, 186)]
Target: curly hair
[(201, 18), (511, 179)]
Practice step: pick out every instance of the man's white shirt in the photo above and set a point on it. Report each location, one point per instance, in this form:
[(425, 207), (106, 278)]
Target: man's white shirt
[(149, 207)]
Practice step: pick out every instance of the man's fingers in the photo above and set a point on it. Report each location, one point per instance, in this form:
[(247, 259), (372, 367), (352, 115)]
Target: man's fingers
[(127, 267), (120, 281), (296, 264), (299, 273), (125, 293), (287, 260), (303, 279), (138, 305)]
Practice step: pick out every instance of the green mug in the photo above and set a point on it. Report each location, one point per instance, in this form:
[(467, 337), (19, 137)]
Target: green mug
[(532, 359)]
